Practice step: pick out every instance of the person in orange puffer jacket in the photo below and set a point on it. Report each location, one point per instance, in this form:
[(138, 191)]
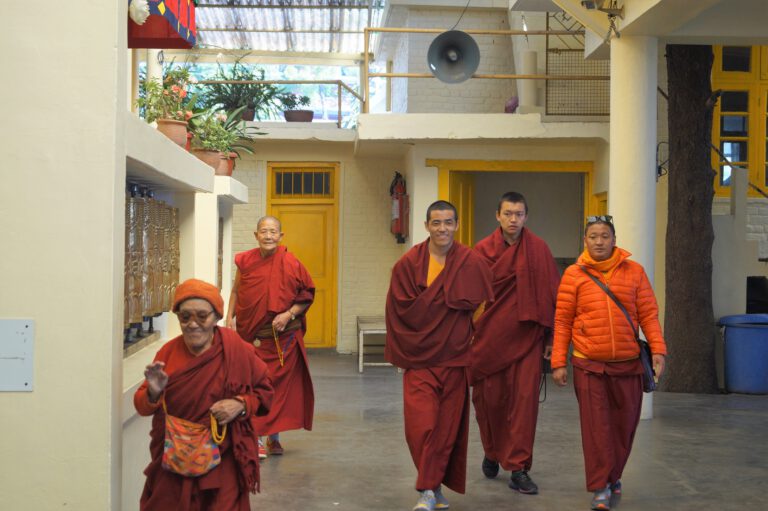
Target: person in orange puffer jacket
[(607, 374)]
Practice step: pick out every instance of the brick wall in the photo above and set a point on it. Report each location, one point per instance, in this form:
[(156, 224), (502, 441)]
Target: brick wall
[(250, 172), (368, 250), (428, 95), (757, 220)]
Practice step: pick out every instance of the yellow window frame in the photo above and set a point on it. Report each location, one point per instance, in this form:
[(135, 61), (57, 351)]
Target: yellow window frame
[(755, 83)]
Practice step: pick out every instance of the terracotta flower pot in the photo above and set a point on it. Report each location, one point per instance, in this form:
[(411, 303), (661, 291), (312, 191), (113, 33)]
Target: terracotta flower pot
[(231, 160), (224, 168), (298, 115), (175, 130), (210, 158)]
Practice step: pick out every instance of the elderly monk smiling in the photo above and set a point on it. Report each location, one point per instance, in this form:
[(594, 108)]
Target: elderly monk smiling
[(211, 378), (268, 304)]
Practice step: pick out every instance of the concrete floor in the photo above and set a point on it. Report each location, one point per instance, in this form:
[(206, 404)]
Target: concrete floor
[(700, 452)]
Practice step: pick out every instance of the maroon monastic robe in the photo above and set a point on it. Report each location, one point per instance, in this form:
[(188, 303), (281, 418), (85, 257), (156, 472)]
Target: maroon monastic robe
[(428, 334), (227, 369), (506, 355), (269, 286), (607, 432)]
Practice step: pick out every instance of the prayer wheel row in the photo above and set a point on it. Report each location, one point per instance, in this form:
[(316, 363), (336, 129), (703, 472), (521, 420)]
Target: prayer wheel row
[(151, 255)]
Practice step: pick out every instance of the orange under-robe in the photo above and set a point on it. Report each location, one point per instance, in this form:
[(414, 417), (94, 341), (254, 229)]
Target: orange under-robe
[(508, 345), (228, 369), (429, 327), (269, 286)]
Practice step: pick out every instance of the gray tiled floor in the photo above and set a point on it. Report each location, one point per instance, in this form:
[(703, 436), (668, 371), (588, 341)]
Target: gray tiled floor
[(700, 452)]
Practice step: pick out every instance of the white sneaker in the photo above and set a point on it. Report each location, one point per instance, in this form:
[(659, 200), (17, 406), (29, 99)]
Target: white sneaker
[(440, 501), (426, 502), (601, 501), (262, 450)]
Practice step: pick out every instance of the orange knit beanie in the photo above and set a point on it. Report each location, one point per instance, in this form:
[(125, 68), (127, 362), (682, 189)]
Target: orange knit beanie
[(194, 288)]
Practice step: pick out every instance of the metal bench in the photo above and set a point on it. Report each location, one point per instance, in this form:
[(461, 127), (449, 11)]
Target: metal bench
[(368, 325)]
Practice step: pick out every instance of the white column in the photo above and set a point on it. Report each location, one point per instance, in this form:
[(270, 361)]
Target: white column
[(527, 88), (632, 183), (198, 236), (154, 68)]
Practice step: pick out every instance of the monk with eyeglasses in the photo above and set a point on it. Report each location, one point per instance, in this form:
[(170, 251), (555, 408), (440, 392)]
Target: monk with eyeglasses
[(205, 380)]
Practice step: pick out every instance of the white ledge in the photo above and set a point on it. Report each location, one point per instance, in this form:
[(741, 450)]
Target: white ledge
[(311, 131), (154, 160), (472, 127), (230, 189)]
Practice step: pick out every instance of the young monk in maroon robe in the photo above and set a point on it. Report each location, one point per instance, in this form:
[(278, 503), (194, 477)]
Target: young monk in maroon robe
[(206, 373), (435, 288), (512, 335), (270, 297)]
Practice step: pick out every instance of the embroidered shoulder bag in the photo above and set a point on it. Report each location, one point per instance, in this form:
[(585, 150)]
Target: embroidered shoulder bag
[(191, 449)]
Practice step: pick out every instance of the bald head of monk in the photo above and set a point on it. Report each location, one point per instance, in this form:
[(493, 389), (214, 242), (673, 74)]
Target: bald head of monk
[(268, 235)]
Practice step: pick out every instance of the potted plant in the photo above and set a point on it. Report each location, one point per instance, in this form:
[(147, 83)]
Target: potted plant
[(291, 104), (166, 102), (259, 101), (218, 137)]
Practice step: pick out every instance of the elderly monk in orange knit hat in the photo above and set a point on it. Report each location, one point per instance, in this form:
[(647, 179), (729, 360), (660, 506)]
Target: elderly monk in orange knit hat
[(211, 378)]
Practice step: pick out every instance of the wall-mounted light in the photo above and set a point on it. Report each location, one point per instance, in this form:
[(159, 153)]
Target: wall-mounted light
[(612, 9)]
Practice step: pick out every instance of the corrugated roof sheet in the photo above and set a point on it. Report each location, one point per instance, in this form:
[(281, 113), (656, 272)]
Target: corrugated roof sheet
[(323, 26)]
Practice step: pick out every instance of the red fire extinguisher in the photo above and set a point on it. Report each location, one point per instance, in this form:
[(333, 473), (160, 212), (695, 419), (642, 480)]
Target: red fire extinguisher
[(400, 208)]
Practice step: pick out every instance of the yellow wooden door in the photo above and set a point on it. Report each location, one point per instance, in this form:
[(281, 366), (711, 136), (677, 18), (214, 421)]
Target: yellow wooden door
[(307, 213), (462, 195)]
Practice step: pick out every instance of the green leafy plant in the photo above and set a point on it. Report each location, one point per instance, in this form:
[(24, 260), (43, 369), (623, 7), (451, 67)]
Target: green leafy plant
[(292, 101), (166, 99), (263, 99), (218, 131)]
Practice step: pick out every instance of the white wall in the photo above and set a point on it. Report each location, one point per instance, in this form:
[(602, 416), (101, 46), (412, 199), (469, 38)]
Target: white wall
[(554, 202), (425, 95), (61, 215)]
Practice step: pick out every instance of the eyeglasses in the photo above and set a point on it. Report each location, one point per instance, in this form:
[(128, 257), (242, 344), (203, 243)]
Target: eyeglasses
[(600, 218), (200, 317)]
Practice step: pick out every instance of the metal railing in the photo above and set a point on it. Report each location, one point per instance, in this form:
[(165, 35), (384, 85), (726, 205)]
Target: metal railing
[(340, 86), (367, 75)]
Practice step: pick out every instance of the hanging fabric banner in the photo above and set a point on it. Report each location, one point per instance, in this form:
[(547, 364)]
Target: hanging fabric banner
[(171, 24)]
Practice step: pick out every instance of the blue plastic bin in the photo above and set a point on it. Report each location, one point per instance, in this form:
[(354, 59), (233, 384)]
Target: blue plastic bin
[(746, 353)]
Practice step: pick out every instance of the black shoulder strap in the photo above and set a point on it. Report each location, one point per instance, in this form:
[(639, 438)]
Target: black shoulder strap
[(613, 297)]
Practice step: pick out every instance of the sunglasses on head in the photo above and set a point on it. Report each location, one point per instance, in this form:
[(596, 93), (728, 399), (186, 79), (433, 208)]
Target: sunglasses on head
[(600, 218)]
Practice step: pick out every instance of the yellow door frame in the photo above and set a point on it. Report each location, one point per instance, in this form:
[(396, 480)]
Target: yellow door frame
[(333, 200), (445, 167)]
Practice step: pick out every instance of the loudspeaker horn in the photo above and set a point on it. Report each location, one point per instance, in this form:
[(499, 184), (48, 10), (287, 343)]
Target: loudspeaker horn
[(453, 56)]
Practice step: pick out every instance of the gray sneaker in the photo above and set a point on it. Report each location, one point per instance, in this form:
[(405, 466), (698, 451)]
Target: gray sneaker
[(601, 500), (490, 467), (440, 501), (522, 482), (426, 501)]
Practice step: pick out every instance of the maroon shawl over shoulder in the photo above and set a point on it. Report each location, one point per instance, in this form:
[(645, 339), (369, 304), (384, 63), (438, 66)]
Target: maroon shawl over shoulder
[(432, 326), (228, 368), (525, 281), (269, 286)]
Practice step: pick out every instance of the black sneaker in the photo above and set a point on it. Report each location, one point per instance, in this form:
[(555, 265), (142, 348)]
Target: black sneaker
[(522, 482), (490, 468)]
